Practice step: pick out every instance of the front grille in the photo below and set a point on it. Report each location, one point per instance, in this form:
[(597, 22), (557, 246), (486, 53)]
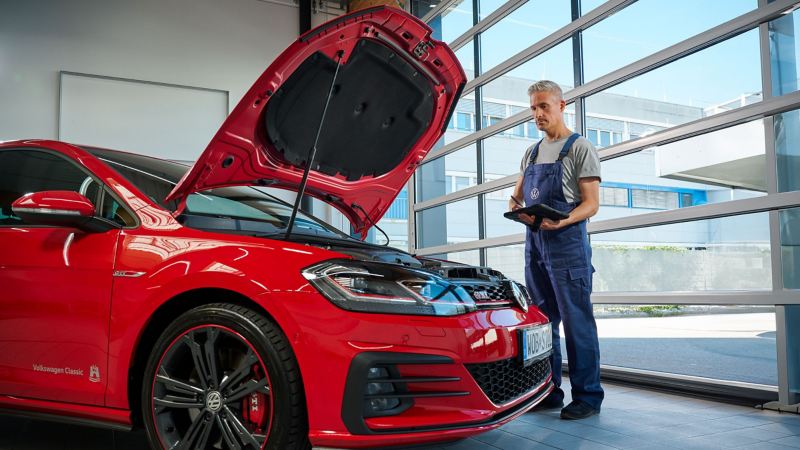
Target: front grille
[(506, 380), (489, 294)]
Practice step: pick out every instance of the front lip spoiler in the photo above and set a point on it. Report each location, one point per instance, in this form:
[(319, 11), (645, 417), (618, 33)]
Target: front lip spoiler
[(508, 414)]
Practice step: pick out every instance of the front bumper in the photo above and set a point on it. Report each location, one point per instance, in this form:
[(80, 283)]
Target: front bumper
[(421, 383), (454, 376)]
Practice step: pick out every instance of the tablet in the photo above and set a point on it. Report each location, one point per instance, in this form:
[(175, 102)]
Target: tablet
[(539, 210)]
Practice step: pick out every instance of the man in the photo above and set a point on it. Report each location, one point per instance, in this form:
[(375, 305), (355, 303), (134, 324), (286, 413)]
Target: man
[(562, 171)]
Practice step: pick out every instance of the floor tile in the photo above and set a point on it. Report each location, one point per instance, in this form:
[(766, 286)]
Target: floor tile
[(631, 419)]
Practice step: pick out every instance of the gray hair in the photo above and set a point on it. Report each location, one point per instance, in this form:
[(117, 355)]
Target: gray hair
[(546, 86)]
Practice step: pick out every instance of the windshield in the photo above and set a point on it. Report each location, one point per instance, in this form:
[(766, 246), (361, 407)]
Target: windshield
[(238, 209)]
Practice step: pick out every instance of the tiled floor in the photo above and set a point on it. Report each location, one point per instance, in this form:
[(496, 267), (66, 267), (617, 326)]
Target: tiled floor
[(631, 419)]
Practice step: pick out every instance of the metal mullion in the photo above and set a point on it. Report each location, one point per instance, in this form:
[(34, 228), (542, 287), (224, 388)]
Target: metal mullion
[(486, 23), (440, 8), (781, 348), (601, 12), (412, 218), (702, 212), (765, 298), (771, 174), (770, 157), (478, 125), (580, 113), (577, 46), (577, 69)]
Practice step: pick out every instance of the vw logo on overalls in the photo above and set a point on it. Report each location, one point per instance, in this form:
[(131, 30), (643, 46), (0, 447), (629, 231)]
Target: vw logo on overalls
[(534, 193)]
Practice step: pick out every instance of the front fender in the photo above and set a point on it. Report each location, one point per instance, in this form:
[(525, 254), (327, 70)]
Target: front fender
[(152, 270)]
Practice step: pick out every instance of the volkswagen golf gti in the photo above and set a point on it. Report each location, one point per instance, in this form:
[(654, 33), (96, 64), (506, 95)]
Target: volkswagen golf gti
[(192, 302)]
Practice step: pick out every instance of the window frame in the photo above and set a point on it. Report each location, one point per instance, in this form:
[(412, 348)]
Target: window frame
[(104, 190)]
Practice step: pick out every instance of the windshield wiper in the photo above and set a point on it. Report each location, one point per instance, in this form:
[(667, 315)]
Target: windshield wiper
[(313, 151)]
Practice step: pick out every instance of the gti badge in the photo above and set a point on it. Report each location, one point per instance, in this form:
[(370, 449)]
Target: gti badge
[(481, 295), (94, 374), (534, 193)]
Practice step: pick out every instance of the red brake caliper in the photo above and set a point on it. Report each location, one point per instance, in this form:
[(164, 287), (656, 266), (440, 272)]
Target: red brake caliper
[(254, 407)]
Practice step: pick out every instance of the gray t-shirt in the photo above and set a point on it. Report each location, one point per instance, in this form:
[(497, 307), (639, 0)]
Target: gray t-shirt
[(581, 161)]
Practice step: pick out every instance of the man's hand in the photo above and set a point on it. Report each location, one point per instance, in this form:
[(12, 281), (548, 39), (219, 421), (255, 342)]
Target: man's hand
[(514, 204), (551, 225), (527, 218)]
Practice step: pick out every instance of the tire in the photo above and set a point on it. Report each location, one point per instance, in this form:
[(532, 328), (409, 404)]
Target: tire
[(251, 396)]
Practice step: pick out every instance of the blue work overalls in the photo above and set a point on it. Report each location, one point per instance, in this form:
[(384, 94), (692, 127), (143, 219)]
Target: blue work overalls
[(558, 272)]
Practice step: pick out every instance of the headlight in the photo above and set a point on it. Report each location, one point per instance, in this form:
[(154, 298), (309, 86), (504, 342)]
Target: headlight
[(387, 288)]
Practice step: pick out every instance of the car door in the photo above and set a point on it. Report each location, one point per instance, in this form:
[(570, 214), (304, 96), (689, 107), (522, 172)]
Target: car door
[(55, 287)]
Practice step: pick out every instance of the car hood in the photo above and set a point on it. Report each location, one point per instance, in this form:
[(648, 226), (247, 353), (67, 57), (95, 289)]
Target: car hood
[(394, 91)]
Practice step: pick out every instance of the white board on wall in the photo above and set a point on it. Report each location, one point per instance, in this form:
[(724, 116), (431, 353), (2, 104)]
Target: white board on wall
[(157, 119)]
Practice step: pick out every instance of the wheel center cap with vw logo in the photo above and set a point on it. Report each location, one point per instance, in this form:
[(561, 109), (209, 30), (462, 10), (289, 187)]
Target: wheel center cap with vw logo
[(213, 401), (534, 193)]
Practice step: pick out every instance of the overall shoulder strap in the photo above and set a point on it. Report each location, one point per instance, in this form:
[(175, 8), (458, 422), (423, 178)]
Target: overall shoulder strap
[(567, 146), (535, 152)]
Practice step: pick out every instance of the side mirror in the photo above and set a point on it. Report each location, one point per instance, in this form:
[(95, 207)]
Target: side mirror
[(62, 209)]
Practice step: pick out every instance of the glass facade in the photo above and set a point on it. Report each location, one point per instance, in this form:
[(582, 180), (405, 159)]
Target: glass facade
[(716, 167), (529, 23), (731, 253), (687, 168), (723, 342), (671, 95), (648, 26)]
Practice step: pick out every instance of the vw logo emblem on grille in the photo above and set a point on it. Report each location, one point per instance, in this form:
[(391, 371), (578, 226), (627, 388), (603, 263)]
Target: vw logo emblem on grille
[(214, 401), (519, 296), (534, 193)]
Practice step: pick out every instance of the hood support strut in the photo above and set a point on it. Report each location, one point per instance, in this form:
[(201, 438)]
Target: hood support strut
[(312, 152)]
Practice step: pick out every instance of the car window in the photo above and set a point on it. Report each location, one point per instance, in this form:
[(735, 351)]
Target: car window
[(248, 206), (221, 206), (26, 171), (154, 177)]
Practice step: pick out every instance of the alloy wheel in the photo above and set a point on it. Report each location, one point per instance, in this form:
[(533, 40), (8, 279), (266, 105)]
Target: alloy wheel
[(212, 390)]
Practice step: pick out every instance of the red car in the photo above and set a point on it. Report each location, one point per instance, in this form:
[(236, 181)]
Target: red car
[(136, 291)]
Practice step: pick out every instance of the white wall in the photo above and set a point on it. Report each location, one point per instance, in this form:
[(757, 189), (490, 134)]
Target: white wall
[(212, 44)]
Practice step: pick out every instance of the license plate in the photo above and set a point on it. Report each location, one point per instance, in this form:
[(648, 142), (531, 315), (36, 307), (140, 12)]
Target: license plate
[(535, 343)]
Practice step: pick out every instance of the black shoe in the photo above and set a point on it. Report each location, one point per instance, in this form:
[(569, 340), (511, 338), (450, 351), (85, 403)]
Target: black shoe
[(549, 402), (578, 410)]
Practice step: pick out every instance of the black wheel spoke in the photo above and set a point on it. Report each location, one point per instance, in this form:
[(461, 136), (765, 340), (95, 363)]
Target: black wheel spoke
[(171, 401), (244, 368), (248, 388), (199, 360), (260, 438), (208, 425), (244, 434), (211, 354), (196, 435), (177, 385), (227, 433)]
